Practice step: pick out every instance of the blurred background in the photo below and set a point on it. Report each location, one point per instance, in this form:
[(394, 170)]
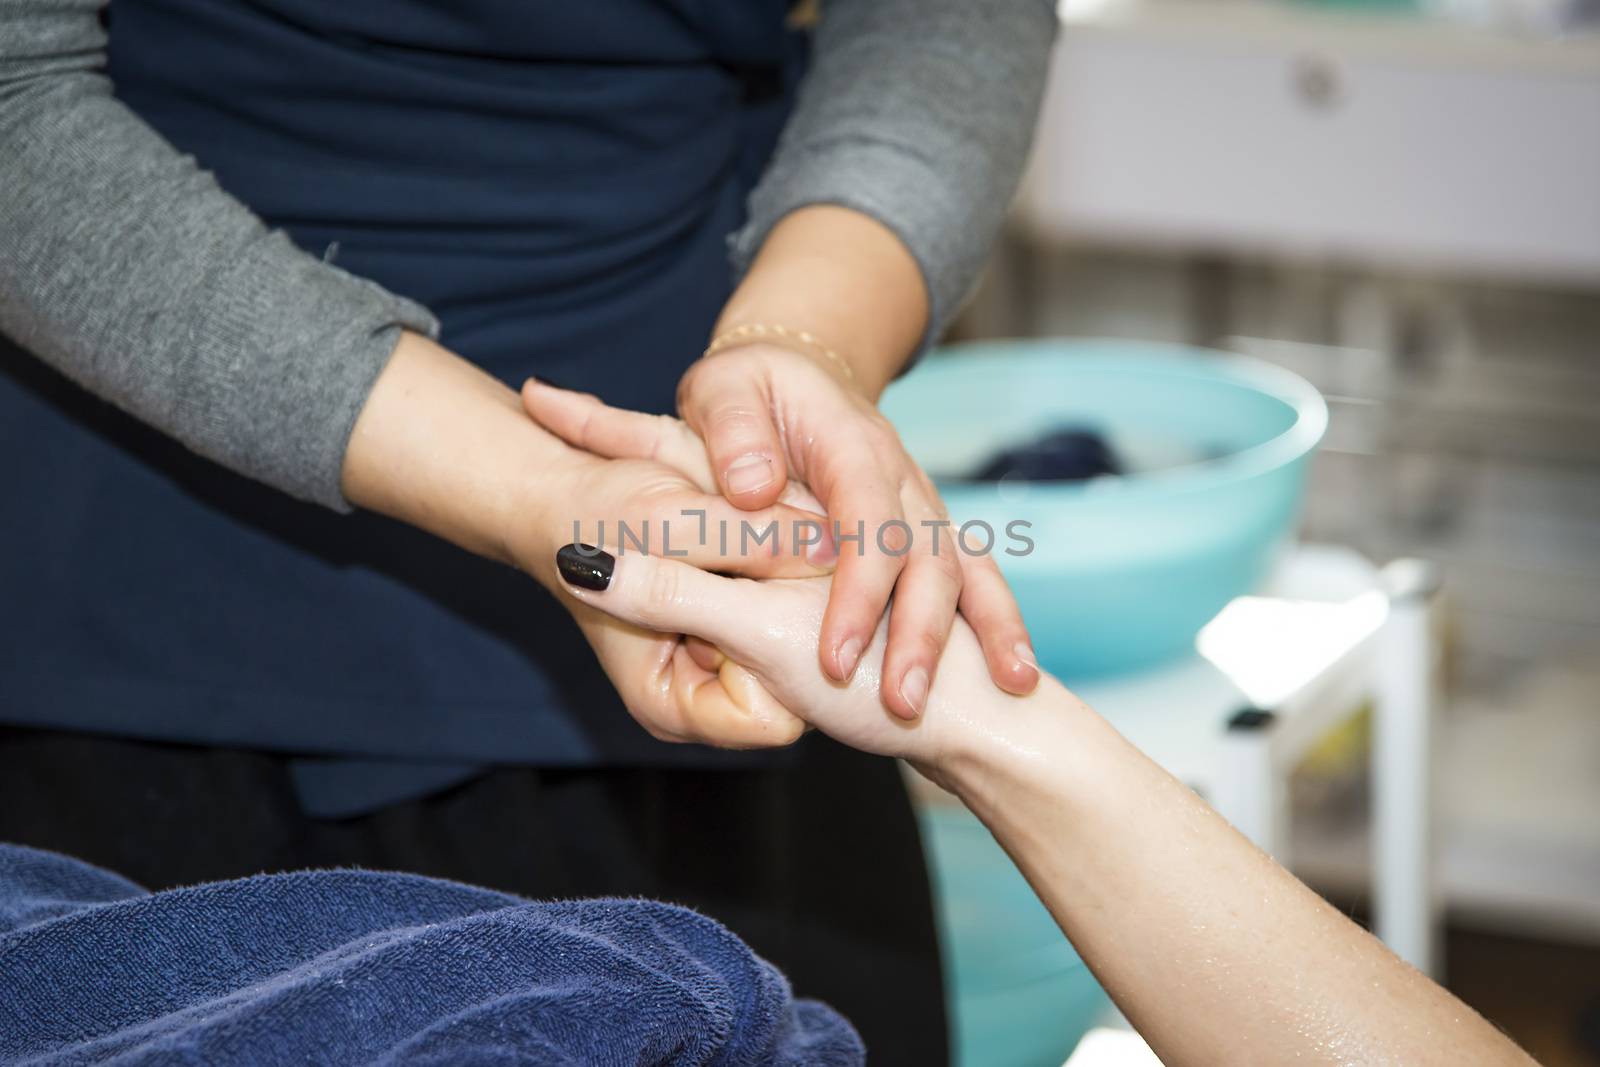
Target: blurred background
[(1398, 200)]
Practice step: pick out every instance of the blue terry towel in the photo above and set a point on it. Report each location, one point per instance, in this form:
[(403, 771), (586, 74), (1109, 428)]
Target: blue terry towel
[(354, 967)]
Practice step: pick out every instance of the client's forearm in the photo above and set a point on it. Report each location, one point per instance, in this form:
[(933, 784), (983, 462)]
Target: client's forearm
[(1217, 954), (1214, 952)]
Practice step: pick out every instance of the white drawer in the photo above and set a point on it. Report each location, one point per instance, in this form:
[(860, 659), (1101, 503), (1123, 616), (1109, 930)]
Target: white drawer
[(1313, 136)]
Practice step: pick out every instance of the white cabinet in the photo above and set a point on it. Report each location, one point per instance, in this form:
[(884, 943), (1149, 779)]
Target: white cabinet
[(1270, 129)]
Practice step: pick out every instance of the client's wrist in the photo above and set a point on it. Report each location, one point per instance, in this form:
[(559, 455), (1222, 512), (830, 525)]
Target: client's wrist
[(1008, 747)]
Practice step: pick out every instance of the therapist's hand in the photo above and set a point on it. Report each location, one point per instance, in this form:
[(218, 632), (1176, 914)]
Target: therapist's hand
[(445, 447), (775, 407)]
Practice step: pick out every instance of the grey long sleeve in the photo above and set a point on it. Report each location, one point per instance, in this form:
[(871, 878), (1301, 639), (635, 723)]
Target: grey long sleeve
[(918, 113), (127, 267)]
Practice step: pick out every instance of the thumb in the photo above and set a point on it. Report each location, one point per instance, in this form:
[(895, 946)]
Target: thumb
[(663, 595), (734, 420)]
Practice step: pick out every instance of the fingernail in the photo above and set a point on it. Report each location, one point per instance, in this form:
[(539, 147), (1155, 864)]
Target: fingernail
[(749, 473), (849, 653), (585, 566), (1024, 652), (914, 688)]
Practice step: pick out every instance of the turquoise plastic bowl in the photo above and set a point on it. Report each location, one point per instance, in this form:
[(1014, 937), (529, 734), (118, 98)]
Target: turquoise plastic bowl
[(1123, 571), (1019, 996)]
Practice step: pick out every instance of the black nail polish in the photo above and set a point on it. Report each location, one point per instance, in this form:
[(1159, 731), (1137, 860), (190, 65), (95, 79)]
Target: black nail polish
[(585, 566)]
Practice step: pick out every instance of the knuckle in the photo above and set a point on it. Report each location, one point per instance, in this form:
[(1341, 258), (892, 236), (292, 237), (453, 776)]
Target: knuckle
[(877, 424), (1005, 606), (984, 608), (664, 505), (855, 614), (661, 592), (987, 621), (1005, 621), (691, 387), (983, 569), (884, 444), (736, 421), (584, 429), (788, 733), (881, 571), (998, 626), (767, 735), (932, 641), (983, 578), (895, 541), (940, 568), (664, 428), (698, 371), (646, 718)]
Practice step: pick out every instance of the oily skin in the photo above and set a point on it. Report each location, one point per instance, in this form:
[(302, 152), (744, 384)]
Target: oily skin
[(1215, 953)]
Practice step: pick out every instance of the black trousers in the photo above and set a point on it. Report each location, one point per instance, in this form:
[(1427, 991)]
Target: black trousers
[(816, 863)]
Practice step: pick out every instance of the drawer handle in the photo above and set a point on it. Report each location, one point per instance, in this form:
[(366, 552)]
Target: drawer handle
[(1316, 81)]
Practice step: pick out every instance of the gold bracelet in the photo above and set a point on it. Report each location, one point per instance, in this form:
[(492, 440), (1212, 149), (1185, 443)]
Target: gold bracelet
[(745, 334)]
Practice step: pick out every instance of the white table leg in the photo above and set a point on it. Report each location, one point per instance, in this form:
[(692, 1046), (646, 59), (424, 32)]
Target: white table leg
[(1404, 901), (1248, 791)]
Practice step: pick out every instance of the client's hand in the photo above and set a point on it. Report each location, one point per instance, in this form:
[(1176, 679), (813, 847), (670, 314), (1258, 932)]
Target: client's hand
[(770, 627), (677, 689), (673, 694)]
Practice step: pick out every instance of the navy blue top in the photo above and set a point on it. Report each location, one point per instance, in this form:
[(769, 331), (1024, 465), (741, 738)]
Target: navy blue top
[(556, 182)]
